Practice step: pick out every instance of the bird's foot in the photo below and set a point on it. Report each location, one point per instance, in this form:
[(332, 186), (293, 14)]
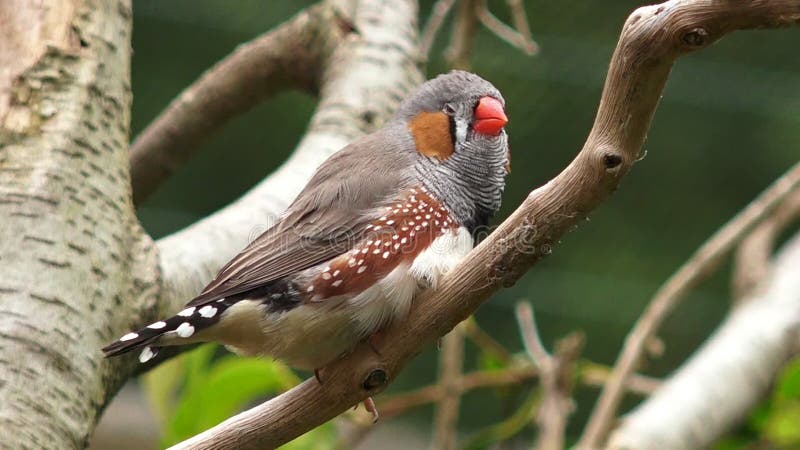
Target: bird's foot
[(369, 405)]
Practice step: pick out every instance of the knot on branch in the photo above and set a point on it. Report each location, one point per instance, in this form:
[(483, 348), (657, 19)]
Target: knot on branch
[(611, 161), (695, 38), (376, 380)]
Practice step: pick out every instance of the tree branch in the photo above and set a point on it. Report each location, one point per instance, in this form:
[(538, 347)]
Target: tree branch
[(753, 259), (651, 40), (556, 374), (439, 12), (289, 56), (451, 362), (729, 375), (702, 264)]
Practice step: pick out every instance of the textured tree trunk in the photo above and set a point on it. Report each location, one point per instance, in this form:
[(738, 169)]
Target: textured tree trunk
[(72, 255)]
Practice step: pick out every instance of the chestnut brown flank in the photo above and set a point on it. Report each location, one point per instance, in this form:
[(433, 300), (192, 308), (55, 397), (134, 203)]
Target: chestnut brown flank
[(408, 227)]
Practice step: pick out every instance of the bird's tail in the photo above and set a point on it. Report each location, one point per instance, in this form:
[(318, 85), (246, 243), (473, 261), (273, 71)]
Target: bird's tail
[(175, 330)]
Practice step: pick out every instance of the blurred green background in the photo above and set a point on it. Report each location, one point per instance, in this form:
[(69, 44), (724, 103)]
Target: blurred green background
[(728, 124)]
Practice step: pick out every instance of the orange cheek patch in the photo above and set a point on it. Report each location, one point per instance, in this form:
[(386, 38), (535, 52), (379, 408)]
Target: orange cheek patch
[(431, 132)]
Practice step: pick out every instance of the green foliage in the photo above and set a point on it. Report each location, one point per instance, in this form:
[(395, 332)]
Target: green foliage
[(197, 391), (782, 424), (775, 424)]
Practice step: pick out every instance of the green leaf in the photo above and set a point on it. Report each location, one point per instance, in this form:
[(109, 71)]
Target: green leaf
[(521, 418), (161, 386), (783, 428), (222, 390), (789, 382)]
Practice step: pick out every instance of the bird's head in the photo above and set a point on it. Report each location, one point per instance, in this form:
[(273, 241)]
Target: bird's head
[(449, 111), (457, 122)]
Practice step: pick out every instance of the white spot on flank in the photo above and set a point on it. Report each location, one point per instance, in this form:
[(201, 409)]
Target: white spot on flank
[(129, 336), (417, 228), (310, 288), (383, 219), (361, 269), (404, 228), (411, 222), (187, 312), (405, 210), (326, 276), (428, 216), (389, 222), (395, 211), (208, 311), (337, 272), (185, 330), (387, 243), (376, 251), (425, 224), (351, 262), (146, 355), (418, 217), (385, 255), (336, 283), (396, 246), (403, 241), (369, 242), (360, 262), (364, 250), (157, 325), (408, 205), (377, 228)]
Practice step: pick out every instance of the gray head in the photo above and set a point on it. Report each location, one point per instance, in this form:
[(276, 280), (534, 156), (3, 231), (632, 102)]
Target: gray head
[(457, 124)]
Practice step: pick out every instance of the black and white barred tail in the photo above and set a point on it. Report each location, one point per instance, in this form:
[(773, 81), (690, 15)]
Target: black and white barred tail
[(171, 331)]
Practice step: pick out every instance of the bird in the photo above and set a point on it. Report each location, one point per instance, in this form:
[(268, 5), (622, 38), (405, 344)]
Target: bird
[(379, 221)]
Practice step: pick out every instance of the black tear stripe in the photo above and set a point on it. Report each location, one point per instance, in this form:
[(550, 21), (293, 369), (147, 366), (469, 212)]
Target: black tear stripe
[(279, 296)]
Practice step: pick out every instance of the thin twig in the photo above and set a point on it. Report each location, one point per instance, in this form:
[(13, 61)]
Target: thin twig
[(513, 37), (519, 17), (485, 341), (451, 362), (464, 27), (702, 264), (556, 373), (439, 12), (753, 259), (530, 336)]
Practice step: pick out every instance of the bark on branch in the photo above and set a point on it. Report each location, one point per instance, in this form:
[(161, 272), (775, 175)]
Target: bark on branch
[(652, 38)]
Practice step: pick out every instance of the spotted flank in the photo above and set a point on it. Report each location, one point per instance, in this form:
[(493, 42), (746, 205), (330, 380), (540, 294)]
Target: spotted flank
[(408, 226), (183, 325)]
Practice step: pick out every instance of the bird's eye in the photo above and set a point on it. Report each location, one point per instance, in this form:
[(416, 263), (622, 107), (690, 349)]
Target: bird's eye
[(449, 109)]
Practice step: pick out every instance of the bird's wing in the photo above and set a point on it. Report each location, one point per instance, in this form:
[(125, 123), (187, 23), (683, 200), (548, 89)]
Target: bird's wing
[(326, 219)]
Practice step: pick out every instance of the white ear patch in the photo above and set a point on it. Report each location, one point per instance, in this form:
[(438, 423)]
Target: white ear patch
[(442, 255), (461, 130)]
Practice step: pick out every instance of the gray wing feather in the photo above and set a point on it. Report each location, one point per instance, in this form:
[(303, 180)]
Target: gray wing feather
[(325, 220)]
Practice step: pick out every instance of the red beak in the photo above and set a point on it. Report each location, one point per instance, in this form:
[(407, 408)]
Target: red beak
[(489, 116)]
